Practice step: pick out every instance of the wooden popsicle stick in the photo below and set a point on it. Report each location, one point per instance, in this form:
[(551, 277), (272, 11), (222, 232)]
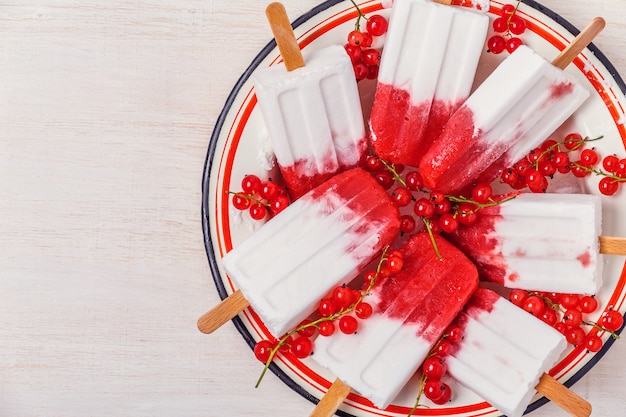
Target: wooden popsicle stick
[(285, 38), (446, 2), (563, 397), (223, 312), (335, 395), (612, 245), (579, 43)]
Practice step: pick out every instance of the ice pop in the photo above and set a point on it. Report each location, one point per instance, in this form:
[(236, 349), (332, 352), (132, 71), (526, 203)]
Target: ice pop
[(505, 353), (427, 69), (522, 102), (541, 242), (412, 309), (312, 112), (321, 240)]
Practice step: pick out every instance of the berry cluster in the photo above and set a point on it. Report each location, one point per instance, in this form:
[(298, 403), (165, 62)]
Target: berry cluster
[(365, 59), (552, 157), (260, 198), (440, 212), (341, 309), (508, 26), (566, 312), (434, 369)]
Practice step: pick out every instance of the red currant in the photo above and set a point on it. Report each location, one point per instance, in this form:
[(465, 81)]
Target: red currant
[(342, 296), (593, 343), (402, 196), (363, 310), (572, 317), (385, 179), (575, 335), (454, 334), (589, 157), (354, 52), (424, 208), (500, 24), (269, 190), (448, 223), (466, 213), (327, 307), (517, 25), (373, 164), (569, 300), (518, 297), (360, 70), (588, 304), (241, 202), (263, 350), (250, 184), (612, 320), (496, 44), (302, 347), (512, 44), (573, 141), (607, 186), (549, 316), (372, 72), (326, 328), (279, 204), (414, 180), (307, 329), (355, 38), (509, 176), (434, 367), (444, 348), (371, 56), (482, 193), (507, 10), (609, 163), (534, 305), (437, 391), (348, 324), (377, 25), (407, 223), (258, 211), (367, 40), (561, 159)]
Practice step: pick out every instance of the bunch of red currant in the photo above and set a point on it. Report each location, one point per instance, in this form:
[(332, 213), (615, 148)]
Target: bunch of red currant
[(553, 157), (566, 312), (434, 368), (365, 59), (508, 26), (260, 198), (443, 213), (341, 309)]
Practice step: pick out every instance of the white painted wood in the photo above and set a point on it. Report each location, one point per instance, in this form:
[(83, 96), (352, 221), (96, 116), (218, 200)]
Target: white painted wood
[(106, 109)]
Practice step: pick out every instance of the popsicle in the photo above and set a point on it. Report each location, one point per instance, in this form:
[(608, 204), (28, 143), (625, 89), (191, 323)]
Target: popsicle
[(412, 309), (541, 242), (321, 240), (517, 107), (504, 356), (312, 112), (426, 72)]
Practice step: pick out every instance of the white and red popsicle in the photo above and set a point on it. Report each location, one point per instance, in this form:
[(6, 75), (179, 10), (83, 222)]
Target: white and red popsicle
[(321, 240), (426, 72), (311, 108), (540, 242), (411, 311), (518, 106), (504, 356)]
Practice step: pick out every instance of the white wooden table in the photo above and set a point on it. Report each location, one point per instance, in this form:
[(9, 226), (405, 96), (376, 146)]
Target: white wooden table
[(106, 109)]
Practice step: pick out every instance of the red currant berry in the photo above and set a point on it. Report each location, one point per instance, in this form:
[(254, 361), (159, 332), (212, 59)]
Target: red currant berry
[(444, 348), (402, 196), (377, 25), (593, 343), (547, 167), (407, 223), (569, 300), (560, 327), (354, 52), (372, 72), (327, 307), (414, 180), (268, 190), (424, 208), (454, 334), (573, 141), (507, 10), (355, 38), (367, 40), (517, 25), (434, 367), (302, 347), (509, 176), (523, 166), (575, 335), (342, 296), (589, 157), (348, 324), (250, 184), (385, 179), (549, 145), (263, 350), (395, 264), (518, 297), (443, 207), (279, 204), (466, 214), (608, 186), (588, 304), (549, 316), (500, 24), (612, 320), (363, 310), (534, 305), (620, 168), (258, 211), (241, 202), (512, 44), (307, 330), (561, 159), (572, 317), (609, 163), (448, 223), (326, 328), (373, 164), (371, 56), (496, 44), (360, 70), (437, 391), (579, 170), (482, 193)]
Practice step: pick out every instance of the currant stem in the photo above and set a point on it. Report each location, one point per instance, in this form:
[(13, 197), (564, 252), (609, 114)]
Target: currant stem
[(249, 197), (357, 25), (428, 224), (393, 171), (600, 172), (419, 396)]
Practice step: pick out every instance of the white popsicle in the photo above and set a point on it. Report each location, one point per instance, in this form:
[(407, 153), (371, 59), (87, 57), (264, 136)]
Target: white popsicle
[(504, 352), (540, 242), (426, 72)]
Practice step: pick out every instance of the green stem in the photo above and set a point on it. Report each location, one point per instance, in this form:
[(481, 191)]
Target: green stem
[(357, 25), (432, 237)]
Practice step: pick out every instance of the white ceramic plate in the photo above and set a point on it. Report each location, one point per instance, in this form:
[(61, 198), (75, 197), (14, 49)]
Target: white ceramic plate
[(239, 146)]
